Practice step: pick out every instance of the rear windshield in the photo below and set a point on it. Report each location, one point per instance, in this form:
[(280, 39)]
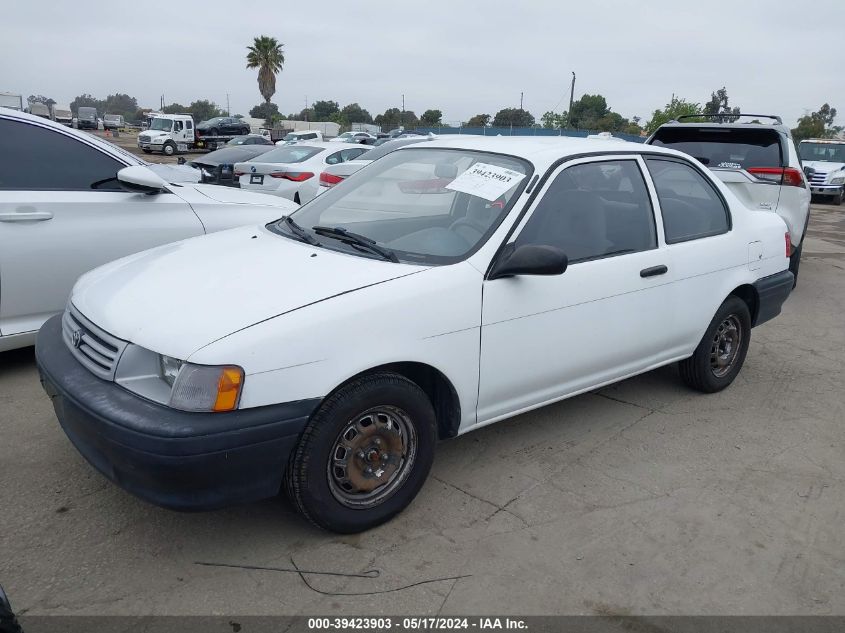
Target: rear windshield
[(391, 145), (827, 152), (290, 154), (724, 147)]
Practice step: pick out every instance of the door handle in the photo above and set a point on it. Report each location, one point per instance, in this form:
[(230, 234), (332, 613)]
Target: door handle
[(654, 271), (25, 216)]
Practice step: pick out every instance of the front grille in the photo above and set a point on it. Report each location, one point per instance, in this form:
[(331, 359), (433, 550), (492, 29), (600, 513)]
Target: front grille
[(143, 138), (96, 349), (818, 178)]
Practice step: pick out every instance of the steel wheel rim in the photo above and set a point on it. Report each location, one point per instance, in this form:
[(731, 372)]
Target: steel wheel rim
[(372, 457), (724, 349)]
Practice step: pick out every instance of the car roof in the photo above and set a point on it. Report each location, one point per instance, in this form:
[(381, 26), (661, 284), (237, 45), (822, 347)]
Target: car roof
[(540, 150), (113, 150), (733, 126)]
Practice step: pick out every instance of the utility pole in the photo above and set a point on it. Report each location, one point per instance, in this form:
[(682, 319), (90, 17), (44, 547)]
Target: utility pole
[(228, 112), (402, 114), (306, 107), (520, 100), (571, 101)]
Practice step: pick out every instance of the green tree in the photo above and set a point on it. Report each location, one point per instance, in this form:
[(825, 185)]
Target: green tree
[(120, 104), (85, 101), (174, 108), (677, 107), (718, 104), (356, 114), (553, 121), (202, 110), (267, 56), (817, 124), (394, 117), (47, 101), (516, 117), (264, 110), (431, 118), (479, 120), (323, 110)]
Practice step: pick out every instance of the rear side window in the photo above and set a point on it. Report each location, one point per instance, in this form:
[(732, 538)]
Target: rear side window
[(594, 210), (690, 205), (730, 148), (44, 159), (289, 154)]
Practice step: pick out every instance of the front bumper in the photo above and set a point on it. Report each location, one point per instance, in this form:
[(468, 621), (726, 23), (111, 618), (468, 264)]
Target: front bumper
[(772, 292), (175, 459), (825, 190)]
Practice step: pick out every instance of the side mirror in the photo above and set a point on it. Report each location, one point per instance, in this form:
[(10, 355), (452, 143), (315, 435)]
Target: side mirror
[(809, 172), (140, 179), (529, 259)]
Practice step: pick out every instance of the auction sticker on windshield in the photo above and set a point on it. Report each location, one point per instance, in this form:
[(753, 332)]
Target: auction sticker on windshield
[(486, 181)]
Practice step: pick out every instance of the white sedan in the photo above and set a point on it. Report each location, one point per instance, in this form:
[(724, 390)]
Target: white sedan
[(444, 287), (293, 171), (70, 202)]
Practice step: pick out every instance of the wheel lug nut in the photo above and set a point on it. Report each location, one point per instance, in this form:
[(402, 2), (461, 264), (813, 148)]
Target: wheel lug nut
[(361, 455)]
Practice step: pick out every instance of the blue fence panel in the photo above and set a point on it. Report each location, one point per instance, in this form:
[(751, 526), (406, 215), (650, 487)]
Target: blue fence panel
[(523, 131)]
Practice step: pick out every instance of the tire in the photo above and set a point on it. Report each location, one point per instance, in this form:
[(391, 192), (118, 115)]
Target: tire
[(377, 417), (837, 199), (214, 132), (795, 262), (147, 151), (704, 373), (169, 148)]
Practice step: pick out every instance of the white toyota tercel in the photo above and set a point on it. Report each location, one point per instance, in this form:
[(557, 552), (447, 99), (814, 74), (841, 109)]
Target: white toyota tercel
[(445, 286)]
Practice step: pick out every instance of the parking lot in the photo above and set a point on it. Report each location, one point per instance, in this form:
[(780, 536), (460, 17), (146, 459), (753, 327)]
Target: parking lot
[(643, 497)]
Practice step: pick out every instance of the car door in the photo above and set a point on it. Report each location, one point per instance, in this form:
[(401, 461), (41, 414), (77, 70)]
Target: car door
[(62, 213), (700, 242), (546, 337)]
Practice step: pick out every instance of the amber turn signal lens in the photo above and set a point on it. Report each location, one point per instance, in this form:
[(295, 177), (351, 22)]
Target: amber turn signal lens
[(228, 388)]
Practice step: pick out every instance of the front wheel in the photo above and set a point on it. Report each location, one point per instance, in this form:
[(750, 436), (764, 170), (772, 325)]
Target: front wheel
[(364, 455), (721, 352), (169, 149), (837, 199), (147, 151)]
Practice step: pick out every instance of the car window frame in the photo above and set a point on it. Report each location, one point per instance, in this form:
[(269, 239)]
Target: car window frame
[(551, 175), (73, 138), (708, 178)]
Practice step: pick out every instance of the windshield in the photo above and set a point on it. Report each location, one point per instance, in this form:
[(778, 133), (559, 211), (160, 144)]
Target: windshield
[(162, 125), (213, 121), (730, 148), (827, 152), (289, 154), (427, 205), (238, 140), (111, 117)]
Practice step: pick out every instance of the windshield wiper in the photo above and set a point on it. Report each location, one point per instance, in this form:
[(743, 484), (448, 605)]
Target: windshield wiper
[(354, 239), (299, 232)]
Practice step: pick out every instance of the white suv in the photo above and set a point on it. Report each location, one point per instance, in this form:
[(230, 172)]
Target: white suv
[(826, 160), (65, 209), (757, 161)]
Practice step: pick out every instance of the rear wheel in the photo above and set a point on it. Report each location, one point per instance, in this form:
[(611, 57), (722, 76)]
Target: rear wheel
[(721, 352), (364, 455)]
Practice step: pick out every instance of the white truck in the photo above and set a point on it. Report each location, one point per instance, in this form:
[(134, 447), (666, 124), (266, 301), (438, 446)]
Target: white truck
[(168, 134), (11, 100), (825, 159), (39, 109), (61, 114)]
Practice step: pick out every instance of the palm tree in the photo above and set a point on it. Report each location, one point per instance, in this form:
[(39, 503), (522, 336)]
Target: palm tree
[(267, 56)]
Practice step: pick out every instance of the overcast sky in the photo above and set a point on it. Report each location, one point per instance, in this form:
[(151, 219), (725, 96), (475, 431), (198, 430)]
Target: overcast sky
[(462, 57)]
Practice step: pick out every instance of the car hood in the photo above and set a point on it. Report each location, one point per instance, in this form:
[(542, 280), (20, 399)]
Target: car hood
[(823, 166), (175, 173), (231, 195), (178, 298)]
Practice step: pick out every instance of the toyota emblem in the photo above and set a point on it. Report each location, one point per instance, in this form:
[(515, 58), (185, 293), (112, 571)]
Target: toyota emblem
[(252, 169), (76, 338)]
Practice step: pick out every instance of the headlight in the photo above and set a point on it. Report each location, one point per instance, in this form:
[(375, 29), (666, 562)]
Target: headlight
[(837, 181), (207, 388), (178, 384), (158, 140)]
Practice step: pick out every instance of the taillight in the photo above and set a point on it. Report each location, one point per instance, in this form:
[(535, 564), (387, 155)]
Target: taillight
[(330, 180), (788, 176), (238, 174), (788, 241), (296, 176)]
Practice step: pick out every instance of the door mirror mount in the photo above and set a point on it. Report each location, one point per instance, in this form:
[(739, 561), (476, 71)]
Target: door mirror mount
[(529, 259), (140, 179)]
